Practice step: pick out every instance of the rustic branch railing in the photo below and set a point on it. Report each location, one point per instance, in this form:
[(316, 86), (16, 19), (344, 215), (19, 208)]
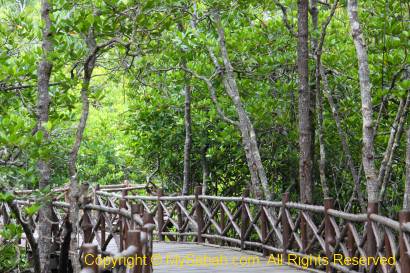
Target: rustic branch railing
[(102, 221), (287, 228), (282, 227)]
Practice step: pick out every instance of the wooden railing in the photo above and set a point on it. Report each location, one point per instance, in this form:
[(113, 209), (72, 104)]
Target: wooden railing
[(284, 227), (103, 223), (270, 227)]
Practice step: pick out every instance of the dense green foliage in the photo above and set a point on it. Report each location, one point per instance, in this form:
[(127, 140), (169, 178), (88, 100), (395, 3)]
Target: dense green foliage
[(136, 120)]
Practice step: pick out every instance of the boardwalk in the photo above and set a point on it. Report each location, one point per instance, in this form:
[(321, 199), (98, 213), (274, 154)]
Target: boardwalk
[(174, 250), (116, 221), (168, 258)]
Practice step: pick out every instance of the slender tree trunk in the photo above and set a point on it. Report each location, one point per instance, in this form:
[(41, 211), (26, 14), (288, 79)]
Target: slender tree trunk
[(393, 143), (74, 188), (406, 197), (334, 108), (205, 169), (43, 74), (27, 228), (313, 89), (319, 102), (259, 179), (187, 125), (188, 140), (343, 139), (305, 119), (322, 161), (372, 184)]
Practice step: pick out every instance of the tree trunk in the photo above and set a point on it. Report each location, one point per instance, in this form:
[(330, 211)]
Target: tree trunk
[(205, 169), (372, 184), (188, 140), (393, 143), (305, 118), (319, 102), (406, 197), (322, 161), (335, 113), (27, 228), (343, 139), (43, 74), (259, 180), (74, 189), (188, 128)]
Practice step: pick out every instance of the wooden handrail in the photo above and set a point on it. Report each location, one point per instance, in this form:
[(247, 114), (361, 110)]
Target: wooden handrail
[(261, 225), (244, 217), (142, 224)]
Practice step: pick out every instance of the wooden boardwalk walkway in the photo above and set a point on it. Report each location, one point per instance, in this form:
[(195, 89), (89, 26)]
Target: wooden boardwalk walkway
[(168, 254), (240, 222)]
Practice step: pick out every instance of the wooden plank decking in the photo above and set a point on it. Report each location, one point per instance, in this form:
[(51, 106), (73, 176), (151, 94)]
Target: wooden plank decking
[(169, 253)]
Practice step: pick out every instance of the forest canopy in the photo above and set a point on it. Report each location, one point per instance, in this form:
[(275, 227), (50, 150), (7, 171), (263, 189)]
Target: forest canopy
[(153, 54), (307, 97)]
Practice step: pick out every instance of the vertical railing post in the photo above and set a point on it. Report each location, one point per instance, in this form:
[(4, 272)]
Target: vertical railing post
[(404, 217), (148, 228), (160, 215), (86, 224), (101, 218), (199, 214), (350, 242), (222, 222), (90, 253), (387, 250), (180, 222), (371, 247), (97, 188), (285, 226), (135, 210), (134, 239), (264, 230), (303, 226), (244, 218), (329, 233), (123, 223)]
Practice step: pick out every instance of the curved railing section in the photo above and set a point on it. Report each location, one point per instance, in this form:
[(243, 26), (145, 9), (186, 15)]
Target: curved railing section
[(308, 236)]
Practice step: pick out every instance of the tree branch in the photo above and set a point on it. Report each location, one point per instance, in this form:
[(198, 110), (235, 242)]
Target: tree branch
[(214, 99), (29, 235), (285, 18)]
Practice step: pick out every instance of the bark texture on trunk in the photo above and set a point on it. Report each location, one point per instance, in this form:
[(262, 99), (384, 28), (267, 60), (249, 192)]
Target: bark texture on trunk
[(406, 197), (74, 188), (319, 101), (396, 132), (259, 179), (305, 118), (321, 75), (370, 171), (205, 169), (188, 140), (322, 161), (43, 103), (335, 112), (187, 123)]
